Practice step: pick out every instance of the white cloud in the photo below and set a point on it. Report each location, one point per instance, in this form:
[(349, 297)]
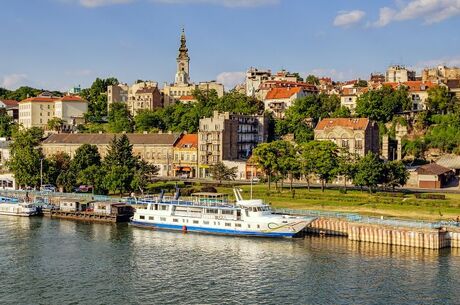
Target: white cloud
[(98, 3), (334, 74), (431, 11), (447, 61), (347, 18), (226, 3), (12, 81), (231, 79)]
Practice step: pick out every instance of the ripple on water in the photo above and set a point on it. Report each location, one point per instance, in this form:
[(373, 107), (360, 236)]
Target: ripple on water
[(47, 261)]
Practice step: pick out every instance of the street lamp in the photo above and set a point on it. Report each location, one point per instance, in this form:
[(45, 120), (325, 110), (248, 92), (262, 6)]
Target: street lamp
[(41, 173)]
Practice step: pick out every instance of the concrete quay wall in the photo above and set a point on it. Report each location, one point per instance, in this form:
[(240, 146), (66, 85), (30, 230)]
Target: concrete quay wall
[(399, 236)]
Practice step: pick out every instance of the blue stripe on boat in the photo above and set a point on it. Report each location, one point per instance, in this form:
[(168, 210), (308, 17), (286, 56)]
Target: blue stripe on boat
[(211, 230)]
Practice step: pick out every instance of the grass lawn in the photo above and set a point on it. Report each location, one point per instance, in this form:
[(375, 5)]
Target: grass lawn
[(379, 204)]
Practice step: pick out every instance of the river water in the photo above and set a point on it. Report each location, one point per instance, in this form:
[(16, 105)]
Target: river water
[(48, 261)]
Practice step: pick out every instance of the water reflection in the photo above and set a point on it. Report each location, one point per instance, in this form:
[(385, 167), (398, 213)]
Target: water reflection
[(63, 261)]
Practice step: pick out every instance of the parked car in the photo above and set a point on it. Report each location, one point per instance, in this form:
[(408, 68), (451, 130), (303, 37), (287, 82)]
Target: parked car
[(48, 188), (84, 189)]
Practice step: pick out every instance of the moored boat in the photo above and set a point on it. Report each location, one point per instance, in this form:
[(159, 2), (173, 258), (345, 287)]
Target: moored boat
[(12, 207), (213, 214)]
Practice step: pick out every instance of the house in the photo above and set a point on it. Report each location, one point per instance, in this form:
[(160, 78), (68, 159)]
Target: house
[(186, 156), (399, 74), (145, 98), (37, 111), (156, 149), (12, 108), (229, 137), (434, 176), (278, 100), (450, 161), (358, 135), (454, 87), (418, 92), (350, 95)]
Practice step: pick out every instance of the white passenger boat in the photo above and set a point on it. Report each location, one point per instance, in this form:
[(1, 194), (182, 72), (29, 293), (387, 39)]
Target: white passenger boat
[(213, 214), (9, 206)]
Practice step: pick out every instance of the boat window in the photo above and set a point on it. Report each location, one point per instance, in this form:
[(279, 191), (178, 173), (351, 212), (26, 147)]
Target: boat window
[(142, 217), (227, 212), (205, 222), (163, 218), (238, 225), (258, 226), (196, 222), (227, 224), (150, 217), (212, 211), (163, 207), (156, 206), (175, 220)]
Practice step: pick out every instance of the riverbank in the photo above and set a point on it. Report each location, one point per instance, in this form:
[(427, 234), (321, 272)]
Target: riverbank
[(379, 204)]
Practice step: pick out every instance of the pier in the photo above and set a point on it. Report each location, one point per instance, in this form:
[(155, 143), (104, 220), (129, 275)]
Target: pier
[(418, 237)]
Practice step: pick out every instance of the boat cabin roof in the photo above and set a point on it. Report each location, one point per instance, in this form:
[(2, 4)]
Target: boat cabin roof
[(212, 195)]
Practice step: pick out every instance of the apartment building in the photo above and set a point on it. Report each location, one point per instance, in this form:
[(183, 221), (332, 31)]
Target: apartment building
[(228, 137), (278, 100), (440, 74), (399, 74), (157, 149), (359, 136), (37, 111), (186, 156)]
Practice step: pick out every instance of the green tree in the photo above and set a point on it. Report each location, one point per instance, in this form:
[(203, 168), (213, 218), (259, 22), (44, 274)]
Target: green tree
[(6, 124), (66, 180), (236, 102), (221, 172), (55, 165), (265, 156), (144, 175), (382, 104), (394, 174), (148, 120), (55, 124), (326, 160), (311, 79), (97, 98), (25, 156), (440, 100), (368, 171), (85, 156), (360, 84), (346, 166), (120, 118), (118, 178), (93, 175)]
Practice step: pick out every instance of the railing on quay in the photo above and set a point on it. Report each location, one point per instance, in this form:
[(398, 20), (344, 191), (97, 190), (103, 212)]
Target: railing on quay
[(393, 222)]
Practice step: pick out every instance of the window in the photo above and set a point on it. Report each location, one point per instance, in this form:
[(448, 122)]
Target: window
[(175, 220), (150, 217), (345, 143), (227, 224), (142, 217), (163, 207), (238, 225), (163, 218), (249, 226), (227, 212), (258, 226), (196, 222), (359, 144), (205, 222)]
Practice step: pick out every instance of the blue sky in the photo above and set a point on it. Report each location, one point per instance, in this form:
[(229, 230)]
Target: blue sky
[(56, 44)]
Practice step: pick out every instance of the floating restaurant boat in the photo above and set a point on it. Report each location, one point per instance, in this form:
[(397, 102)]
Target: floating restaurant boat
[(212, 213), (12, 206)]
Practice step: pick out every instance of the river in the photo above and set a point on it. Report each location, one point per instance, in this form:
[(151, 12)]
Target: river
[(48, 261)]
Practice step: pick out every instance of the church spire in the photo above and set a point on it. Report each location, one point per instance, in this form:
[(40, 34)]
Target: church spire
[(183, 50)]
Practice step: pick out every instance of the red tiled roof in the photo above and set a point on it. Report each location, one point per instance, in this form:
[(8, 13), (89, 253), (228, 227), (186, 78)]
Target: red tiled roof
[(355, 124), (282, 93), (10, 103), (67, 98), (432, 169), (187, 98), (412, 85), (188, 141)]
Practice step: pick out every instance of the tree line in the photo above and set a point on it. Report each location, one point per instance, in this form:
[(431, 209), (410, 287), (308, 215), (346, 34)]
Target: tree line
[(118, 172), (324, 160)]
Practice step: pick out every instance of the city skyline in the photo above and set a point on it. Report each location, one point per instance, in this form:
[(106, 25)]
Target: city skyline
[(45, 48)]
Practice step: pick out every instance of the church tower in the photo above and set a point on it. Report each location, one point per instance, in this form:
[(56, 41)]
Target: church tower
[(183, 63)]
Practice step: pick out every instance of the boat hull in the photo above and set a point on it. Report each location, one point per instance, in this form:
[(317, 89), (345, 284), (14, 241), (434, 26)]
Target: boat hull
[(18, 214), (215, 231)]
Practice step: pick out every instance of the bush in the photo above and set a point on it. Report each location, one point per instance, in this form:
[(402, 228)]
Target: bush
[(431, 196), (208, 189)]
